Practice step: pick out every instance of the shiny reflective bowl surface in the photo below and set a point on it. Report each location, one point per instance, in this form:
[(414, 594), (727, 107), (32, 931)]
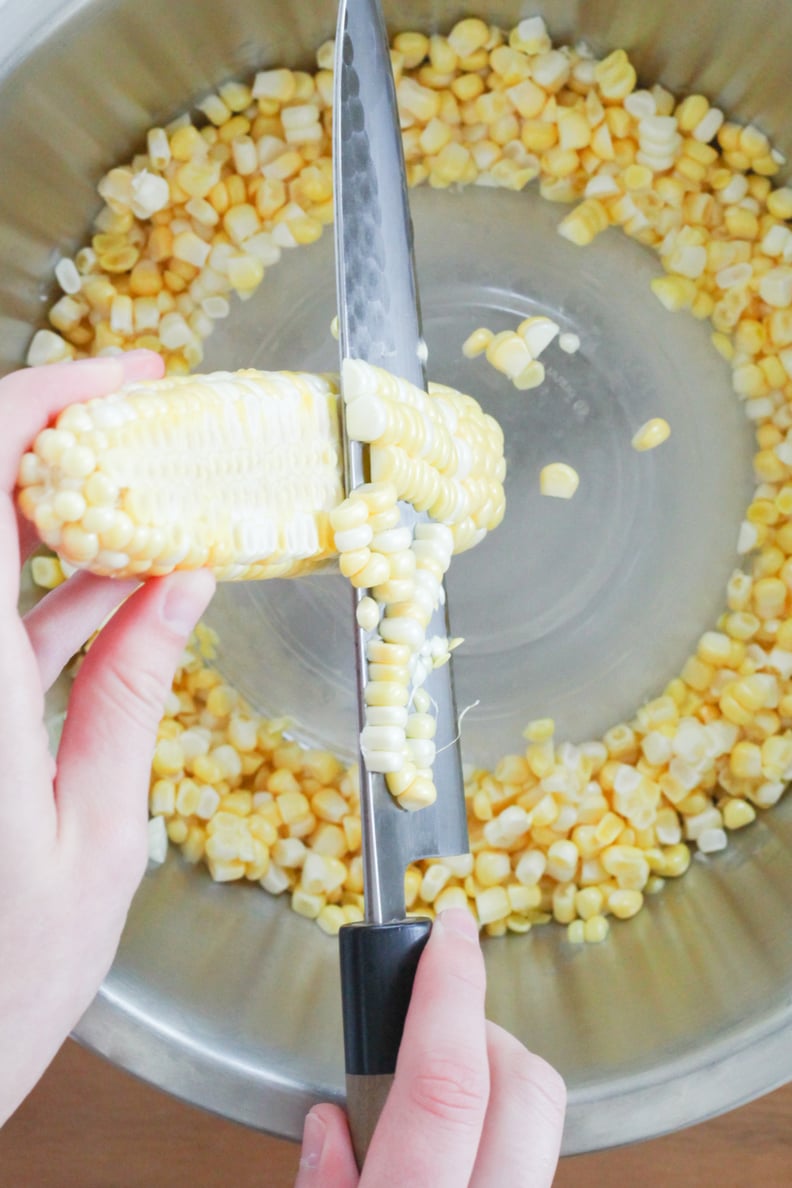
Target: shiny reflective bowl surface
[(220, 994)]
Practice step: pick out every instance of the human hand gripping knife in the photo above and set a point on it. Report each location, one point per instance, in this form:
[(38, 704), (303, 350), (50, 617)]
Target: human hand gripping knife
[(379, 322)]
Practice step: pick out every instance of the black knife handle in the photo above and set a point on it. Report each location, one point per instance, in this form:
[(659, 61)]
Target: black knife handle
[(378, 964)]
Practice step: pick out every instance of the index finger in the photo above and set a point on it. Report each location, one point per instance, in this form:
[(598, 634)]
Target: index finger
[(29, 399), (430, 1128)]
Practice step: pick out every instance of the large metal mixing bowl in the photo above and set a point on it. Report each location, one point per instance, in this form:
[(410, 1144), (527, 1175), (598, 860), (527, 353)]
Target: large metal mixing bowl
[(220, 994)]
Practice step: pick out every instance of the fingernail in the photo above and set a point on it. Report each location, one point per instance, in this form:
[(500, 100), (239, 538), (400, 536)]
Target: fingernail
[(138, 353), (314, 1132), (459, 920), (185, 602)]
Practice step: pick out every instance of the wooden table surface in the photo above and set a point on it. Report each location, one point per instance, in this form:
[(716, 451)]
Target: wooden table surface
[(89, 1125)]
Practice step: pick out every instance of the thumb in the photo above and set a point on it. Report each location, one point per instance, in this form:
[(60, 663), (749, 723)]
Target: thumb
[(440, 1092), (327, 1159), (116, 703)]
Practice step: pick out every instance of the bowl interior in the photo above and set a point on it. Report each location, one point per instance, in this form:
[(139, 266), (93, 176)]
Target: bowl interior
[(576, 610)]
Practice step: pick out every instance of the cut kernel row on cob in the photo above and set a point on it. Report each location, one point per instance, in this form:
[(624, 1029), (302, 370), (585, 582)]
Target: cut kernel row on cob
[(237, 473), (240, 472)]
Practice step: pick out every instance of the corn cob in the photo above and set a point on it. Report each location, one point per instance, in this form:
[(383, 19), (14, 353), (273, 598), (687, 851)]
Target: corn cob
[(122, 485), (239, 473)]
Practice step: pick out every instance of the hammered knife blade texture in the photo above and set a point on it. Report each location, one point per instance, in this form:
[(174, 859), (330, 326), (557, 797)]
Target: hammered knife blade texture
[(379, 322)]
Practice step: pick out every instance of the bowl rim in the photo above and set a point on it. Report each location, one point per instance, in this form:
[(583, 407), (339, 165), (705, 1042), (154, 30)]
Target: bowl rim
[(741, 1065)]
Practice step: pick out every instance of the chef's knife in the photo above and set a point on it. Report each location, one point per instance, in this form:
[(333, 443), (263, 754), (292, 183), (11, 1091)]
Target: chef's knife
[(379, 322)]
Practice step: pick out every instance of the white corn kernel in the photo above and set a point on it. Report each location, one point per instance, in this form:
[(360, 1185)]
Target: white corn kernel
[(569, 343), (157, 840), (537, 333)]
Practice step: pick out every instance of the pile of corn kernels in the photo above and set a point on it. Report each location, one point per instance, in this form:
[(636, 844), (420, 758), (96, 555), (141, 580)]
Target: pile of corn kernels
[(575, 833)]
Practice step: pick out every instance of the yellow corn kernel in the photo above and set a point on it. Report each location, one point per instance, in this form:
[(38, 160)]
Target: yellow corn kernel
[(776, 758), (773, 371), (595, 930), (476, 343), (279, 85), (168, 758), (608, 829), (638, 178), (558, 480), (741, 223), (769, 597), (47, 572), (651, 434), (561, 163), (691, 111), (732, 655), (467, 87), (621, 742), (307, 904), (674, 292), (779, 203), (745, 761), (737, 813), (563, 902), (468, 36), (723, 345), (589, 902), (451, 162), (434, 136), (576, 932), (178, 831), (491, 868), (162, 798), (697, 674), (574, 130), (602, 141), (540, 730), (186, 142), (492, 905), (523, 899), (624, 904), (450, 897), (538, 136), (331, 919), (615, 76), (674, 862)]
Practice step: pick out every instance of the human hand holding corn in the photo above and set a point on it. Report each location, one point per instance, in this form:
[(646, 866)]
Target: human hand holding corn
[(73, 840), (470, 1107), (474, 1106)]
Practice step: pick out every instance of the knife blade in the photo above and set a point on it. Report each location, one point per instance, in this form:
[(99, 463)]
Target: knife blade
[(379, 322)]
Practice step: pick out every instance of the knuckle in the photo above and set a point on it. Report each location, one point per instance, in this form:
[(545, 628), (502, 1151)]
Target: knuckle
[(136, 693), (452, 1089)]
